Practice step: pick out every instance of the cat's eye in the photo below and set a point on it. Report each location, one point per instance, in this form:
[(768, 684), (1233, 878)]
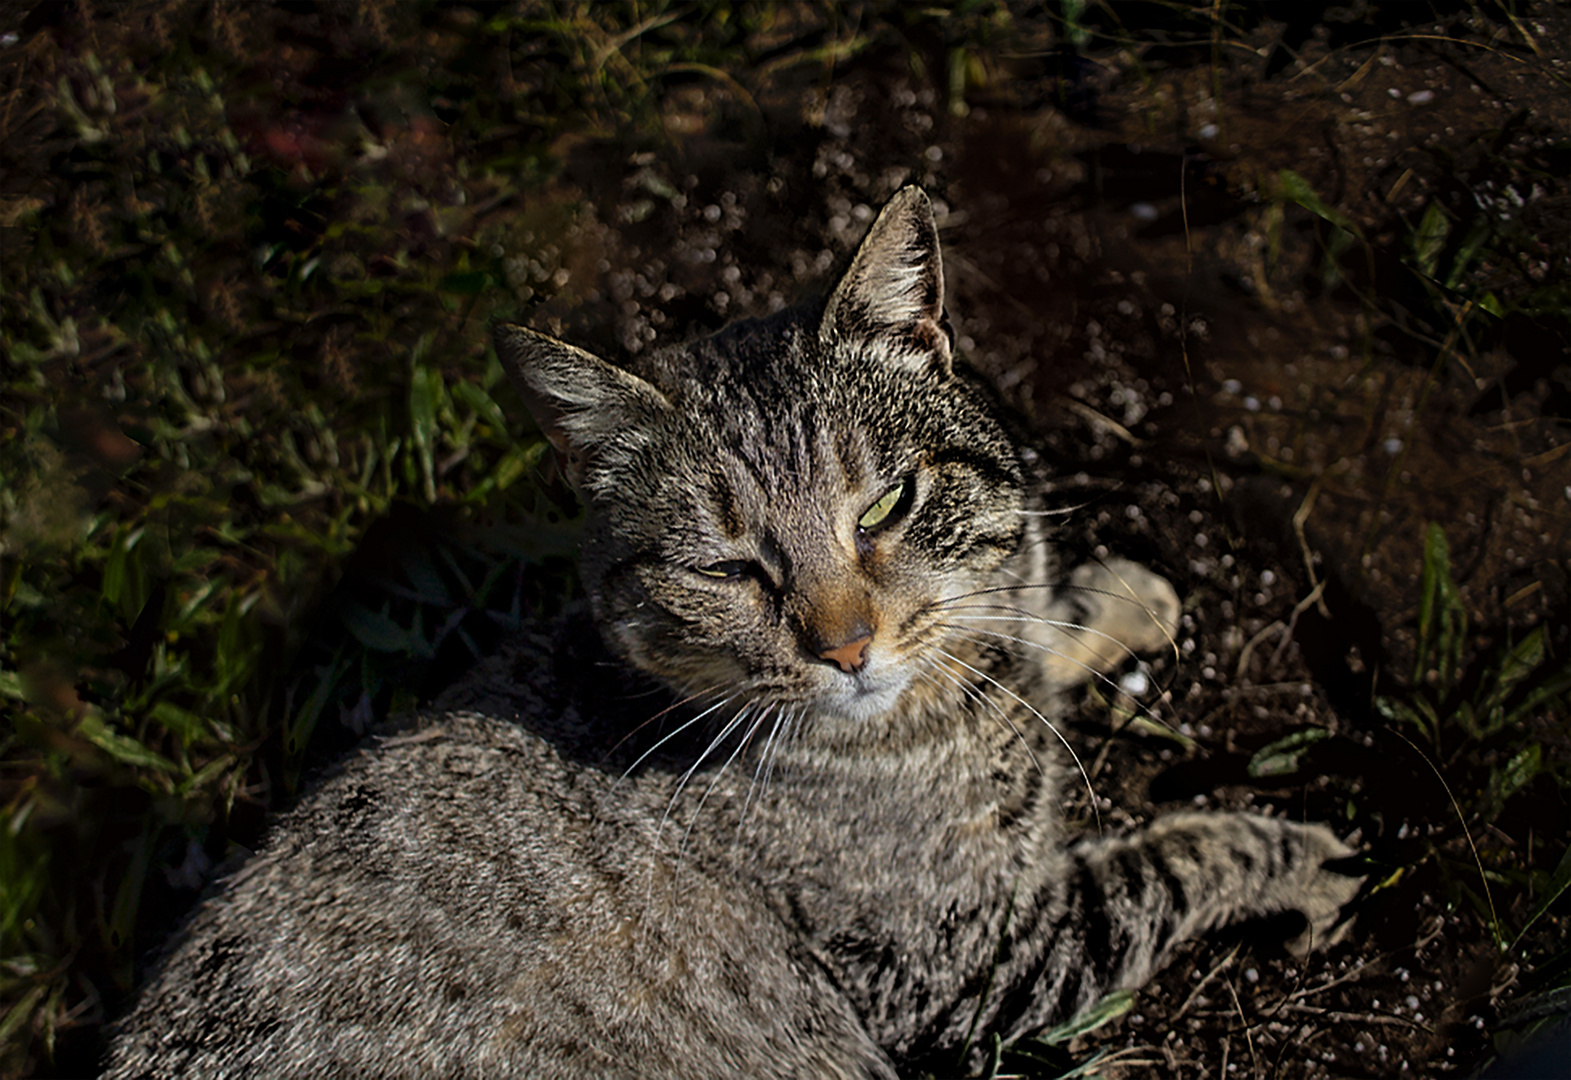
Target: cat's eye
[(728, 568), (887, 510)]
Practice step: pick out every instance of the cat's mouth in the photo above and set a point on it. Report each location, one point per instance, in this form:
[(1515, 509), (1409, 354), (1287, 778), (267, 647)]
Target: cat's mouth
[(866, 695)]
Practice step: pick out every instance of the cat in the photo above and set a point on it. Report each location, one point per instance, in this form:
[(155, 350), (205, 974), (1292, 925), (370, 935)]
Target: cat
[(783, 799)]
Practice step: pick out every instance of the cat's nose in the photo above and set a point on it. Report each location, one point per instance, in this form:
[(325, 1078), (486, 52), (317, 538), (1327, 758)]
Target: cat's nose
[(852, 656)]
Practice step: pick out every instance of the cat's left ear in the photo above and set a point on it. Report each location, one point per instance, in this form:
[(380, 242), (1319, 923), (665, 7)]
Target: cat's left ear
[(894, 290), (587, 408)]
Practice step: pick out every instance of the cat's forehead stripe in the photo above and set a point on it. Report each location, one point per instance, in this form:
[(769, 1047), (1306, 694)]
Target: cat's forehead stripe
[(729, 513), (993, 471), (850, 448)]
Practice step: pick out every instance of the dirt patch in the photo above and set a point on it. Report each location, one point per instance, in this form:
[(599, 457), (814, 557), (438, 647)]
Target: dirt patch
[(1224, 398)]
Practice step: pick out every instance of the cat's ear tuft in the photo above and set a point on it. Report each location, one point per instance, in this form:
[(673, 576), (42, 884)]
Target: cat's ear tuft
[(894, 291), (580, 402)]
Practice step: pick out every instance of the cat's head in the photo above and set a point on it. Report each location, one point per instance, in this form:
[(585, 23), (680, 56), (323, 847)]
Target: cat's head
[(779, 513)]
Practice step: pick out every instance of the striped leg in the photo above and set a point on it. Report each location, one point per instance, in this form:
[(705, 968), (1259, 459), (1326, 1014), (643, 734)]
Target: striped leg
[(1130, 899)]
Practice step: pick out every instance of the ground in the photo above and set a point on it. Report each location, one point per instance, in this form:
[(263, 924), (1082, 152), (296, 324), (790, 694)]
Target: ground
[(1282, 290)]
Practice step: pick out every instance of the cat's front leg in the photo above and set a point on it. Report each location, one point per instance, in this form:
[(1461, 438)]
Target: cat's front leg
[(1187, 873), (1130, 899)]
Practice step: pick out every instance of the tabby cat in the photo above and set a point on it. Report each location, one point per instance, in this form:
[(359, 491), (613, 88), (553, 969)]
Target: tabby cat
[(784, 800)]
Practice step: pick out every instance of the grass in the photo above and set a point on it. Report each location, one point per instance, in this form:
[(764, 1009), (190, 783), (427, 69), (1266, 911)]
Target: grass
[(261, 480), (242, 343)]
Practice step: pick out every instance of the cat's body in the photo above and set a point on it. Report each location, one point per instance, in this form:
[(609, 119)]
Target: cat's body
[(836, 849)]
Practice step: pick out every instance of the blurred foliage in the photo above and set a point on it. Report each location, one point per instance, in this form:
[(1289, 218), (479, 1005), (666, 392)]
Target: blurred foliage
[(255, 460), (243, 317), (1484, 716), (1480, 713)]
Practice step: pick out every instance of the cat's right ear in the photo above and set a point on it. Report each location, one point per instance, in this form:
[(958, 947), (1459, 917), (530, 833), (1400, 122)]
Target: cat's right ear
[(579, 401), (893, 294)]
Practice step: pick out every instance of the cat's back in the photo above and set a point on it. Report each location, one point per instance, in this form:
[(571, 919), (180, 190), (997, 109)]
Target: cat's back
[(466, 896)]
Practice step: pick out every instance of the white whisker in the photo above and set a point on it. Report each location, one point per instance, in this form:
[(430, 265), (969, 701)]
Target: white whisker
[(970, 634), (1062, 511), (671, 735), (720, 772), (977, 694), (1059, 586), (788, 724), (1089, 669), (1020, 614), (763, 756), (1091, 791), (681, 783)]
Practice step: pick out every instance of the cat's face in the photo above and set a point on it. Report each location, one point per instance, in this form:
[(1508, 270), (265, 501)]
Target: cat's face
[(780, 513)]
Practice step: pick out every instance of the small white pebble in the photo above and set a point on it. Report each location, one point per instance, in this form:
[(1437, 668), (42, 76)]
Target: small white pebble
[(1421, 97), (1134, 683)]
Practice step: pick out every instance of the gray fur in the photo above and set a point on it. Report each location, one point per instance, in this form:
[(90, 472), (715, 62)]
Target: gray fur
[(684, 835)]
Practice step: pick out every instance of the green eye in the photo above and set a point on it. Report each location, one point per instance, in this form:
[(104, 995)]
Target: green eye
[(881, 511)]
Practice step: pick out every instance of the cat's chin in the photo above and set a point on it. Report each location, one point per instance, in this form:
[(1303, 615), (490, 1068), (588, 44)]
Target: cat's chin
[(864, 698)]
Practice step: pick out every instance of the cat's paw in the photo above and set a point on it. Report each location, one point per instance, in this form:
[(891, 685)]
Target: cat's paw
[(1134, 606), (1321, 891)]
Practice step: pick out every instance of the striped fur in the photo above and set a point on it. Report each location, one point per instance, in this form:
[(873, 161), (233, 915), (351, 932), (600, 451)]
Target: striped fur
[(788, 803)]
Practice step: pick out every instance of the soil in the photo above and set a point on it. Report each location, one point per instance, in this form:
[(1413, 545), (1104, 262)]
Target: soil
[(1210, 402)]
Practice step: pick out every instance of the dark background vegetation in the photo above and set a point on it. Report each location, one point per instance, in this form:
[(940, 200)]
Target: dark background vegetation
[(1283, 287)]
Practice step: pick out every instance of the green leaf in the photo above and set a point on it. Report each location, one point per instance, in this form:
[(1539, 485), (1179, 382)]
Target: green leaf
[(1430, 239), (422, 574), (195, 559), (128, 897), (235, 659), (120, 747), (1442, 620), (1108, 1009), (1280, 758), (518, 460), (304, 721), (21, 1012), (1525, 764), (183, 723), (125, 574), (424, 388), (1559, 882), (1520, 662), (1294, 188), (375, 629), (1074, 26), (1553, 689), (484, 406), (1475, 238)]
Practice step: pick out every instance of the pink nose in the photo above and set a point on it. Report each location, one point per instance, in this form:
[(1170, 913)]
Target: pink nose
[(852, 656)]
